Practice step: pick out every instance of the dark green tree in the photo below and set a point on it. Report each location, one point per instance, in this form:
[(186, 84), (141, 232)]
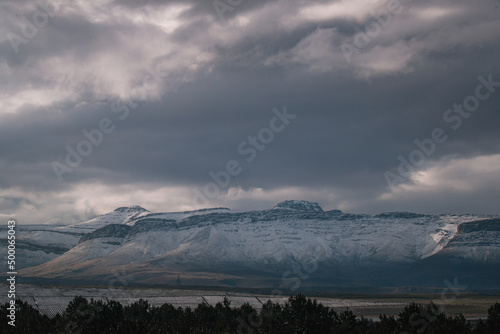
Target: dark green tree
[(137, 317), (387, 325)]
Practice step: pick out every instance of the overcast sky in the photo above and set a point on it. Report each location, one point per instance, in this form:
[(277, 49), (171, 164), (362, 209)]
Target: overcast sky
[(116, 103)]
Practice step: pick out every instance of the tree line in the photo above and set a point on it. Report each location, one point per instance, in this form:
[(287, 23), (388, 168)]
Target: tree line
[(298, 315)]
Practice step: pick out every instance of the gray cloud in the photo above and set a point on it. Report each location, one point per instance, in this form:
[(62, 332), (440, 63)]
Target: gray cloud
[(220, 81)]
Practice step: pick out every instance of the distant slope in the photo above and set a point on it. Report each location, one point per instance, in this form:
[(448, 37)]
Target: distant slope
[(472, 256), (37, 244), (121, 215)]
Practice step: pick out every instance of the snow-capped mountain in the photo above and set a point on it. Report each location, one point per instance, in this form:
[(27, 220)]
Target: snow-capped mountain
[(37, 244), (121, 215), (269, 248), (299, 206)]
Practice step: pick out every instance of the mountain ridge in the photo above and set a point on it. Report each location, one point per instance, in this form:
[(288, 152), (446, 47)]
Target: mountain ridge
[(220, 246), (259, 248)]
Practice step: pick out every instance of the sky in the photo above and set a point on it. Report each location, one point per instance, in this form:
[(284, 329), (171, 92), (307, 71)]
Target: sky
[(363, 106)]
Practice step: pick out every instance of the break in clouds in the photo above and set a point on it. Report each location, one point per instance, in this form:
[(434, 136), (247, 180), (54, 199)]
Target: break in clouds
[(365, 106)]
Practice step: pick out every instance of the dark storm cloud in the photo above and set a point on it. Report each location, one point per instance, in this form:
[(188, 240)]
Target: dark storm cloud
[(221, 80)]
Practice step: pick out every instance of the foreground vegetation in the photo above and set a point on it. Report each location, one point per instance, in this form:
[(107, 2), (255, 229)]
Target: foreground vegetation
[(297, 315)]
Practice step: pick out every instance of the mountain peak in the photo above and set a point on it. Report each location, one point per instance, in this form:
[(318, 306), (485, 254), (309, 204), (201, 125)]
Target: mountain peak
[(294, 205), (132, 208)]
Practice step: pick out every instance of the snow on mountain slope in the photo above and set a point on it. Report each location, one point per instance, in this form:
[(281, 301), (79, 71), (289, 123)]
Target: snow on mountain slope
[(472, 256), (291, 233), (130, 215), (177, 215), (477, 241), (38, 244), (50, 239), (121, 215), (303, 206)]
